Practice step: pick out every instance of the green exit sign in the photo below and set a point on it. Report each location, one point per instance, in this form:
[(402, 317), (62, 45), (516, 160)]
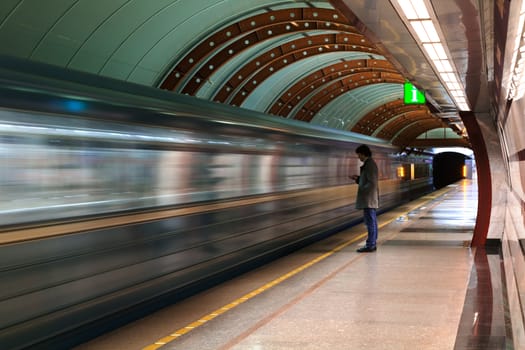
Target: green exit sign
[(413, 96)]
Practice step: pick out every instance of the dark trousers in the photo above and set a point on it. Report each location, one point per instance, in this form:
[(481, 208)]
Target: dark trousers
[(369, 215)]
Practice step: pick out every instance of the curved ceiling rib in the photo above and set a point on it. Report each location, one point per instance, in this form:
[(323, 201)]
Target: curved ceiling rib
[(340, 87), (270, 62), (397, 123), (321, 31), (413, 129), (234, 62), (388, 120), (290, 98), (439, 137), (220, 46), (382, 114), (346, 110)]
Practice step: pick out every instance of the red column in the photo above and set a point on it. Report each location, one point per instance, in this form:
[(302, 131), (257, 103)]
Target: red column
[(484, 178)]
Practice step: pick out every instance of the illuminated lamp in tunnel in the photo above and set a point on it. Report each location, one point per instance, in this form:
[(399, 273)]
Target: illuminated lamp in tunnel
[(400, 172)]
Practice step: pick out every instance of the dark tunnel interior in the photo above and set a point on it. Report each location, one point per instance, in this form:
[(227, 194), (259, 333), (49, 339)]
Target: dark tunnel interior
[(447, 168)]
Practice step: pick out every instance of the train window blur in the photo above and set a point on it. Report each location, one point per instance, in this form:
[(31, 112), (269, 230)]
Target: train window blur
[(90, 167)]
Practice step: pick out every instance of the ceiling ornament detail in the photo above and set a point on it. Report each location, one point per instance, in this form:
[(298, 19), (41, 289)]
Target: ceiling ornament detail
[(335, 80), (261, 46), (222, 45)]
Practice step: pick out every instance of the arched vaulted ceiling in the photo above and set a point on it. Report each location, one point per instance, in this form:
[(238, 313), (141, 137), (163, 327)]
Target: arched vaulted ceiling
[(301, 60), (342, 65)]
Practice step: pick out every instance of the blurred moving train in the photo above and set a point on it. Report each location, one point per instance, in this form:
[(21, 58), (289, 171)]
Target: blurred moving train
[(118, 199)]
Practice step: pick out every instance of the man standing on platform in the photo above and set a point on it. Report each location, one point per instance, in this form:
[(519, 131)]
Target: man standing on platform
[(367, 195)]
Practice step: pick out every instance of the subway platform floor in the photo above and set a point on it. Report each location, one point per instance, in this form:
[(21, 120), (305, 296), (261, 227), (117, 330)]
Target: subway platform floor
[(424, 288)]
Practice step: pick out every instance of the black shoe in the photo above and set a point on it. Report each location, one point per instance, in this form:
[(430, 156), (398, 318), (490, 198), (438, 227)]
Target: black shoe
[(366, 249)]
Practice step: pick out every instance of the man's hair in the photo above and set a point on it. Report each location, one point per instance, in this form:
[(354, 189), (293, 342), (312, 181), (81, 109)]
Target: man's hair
[(364, 150)]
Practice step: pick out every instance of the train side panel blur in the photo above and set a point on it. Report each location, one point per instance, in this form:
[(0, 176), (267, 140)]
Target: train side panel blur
[(118, 199)]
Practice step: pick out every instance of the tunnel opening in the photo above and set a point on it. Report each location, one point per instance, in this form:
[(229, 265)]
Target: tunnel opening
[(449, 167)]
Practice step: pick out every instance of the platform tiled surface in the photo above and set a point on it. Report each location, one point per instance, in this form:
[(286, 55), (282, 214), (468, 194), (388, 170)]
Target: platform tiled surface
[(389, 300), (410, 294), (407, 295)]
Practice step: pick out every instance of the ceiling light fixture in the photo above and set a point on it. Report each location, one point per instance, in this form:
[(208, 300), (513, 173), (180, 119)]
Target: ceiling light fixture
[(425, 29)]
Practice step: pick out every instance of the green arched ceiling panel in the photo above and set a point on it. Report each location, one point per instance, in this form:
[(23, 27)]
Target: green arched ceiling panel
[(269, 91), (133, 40), (211, 86), (151, 42), (439, 133), (282, 78), (347, 109)]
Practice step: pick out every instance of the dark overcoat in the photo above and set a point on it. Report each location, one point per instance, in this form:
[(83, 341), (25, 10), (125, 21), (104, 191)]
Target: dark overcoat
[(368, 190)]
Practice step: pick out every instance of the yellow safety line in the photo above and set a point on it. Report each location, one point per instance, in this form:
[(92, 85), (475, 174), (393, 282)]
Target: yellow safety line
[(247, 297), (188, 328)]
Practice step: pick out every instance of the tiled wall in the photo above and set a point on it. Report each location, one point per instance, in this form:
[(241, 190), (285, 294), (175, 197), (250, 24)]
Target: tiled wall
[(513, 239), (514, 264)]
